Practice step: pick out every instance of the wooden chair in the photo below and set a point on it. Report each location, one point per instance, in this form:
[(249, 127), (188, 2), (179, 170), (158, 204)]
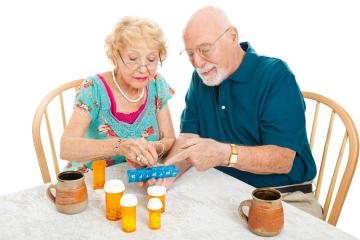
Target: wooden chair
[(350, 141), (42, 111)]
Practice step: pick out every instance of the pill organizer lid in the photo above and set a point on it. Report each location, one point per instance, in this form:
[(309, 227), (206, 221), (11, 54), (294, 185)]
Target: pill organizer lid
[(144, 174)]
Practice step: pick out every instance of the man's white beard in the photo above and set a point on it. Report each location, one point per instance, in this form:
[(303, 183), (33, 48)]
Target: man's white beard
[(211, 80)]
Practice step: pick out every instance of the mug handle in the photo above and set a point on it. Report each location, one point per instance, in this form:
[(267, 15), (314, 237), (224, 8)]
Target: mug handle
[(246, 203), (49, 193)]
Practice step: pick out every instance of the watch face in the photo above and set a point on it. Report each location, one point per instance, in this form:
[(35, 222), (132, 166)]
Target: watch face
[(233, 157), (233, 160)]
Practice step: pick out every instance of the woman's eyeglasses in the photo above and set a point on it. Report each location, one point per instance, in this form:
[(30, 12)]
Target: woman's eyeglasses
[(149, 65)]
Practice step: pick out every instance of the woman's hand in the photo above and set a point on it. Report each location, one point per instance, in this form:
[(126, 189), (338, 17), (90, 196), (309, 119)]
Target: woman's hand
[(138, 151)]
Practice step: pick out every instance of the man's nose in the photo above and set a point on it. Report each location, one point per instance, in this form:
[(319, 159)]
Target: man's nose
[(197, 61)]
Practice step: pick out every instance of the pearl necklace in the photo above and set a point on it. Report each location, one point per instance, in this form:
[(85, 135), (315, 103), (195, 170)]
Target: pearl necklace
[(122, 92)]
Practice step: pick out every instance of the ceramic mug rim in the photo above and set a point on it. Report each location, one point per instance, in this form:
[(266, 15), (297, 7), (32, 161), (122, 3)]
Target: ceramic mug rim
[(266, 189), (70, 180)]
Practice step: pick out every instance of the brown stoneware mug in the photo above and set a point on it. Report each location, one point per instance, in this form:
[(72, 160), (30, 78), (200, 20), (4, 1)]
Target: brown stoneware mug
[(266, 215), (71, 193)]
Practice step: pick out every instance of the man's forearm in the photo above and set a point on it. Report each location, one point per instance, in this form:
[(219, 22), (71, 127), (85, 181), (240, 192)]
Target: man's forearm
[(265, 159)]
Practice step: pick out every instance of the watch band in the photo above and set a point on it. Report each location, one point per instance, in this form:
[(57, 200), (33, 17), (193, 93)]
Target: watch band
[(234, 155)]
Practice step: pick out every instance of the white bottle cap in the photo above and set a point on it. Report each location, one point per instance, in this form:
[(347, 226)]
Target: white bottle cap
[(114, 186), (128, 200), (156, 190), (154, 204)]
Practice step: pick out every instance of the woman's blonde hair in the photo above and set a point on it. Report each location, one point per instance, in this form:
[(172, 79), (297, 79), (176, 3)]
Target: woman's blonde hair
[(131, 29)]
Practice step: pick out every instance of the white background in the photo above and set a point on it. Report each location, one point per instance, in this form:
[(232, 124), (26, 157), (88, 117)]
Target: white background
[(46, 43)]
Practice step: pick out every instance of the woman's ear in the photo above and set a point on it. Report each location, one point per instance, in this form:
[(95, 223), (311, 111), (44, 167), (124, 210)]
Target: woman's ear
[(115, 59)]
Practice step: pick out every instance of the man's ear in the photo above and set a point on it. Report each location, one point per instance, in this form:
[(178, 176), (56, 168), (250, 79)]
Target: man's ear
[(234, 35)]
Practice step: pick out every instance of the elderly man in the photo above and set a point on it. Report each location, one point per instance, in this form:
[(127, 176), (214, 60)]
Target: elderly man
[(244, 113)]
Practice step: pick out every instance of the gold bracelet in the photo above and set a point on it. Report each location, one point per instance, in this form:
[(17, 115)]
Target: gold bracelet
[(162, 149), (117, 144)]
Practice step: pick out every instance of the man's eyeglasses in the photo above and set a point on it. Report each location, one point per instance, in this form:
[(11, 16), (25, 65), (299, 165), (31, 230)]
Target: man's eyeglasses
[(149, 65), (204, 50)]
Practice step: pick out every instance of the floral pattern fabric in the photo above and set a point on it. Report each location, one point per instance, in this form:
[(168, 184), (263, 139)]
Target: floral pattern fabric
[(92, 97)]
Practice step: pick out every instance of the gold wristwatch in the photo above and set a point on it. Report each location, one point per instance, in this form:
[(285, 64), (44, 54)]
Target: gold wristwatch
[(234, 155)]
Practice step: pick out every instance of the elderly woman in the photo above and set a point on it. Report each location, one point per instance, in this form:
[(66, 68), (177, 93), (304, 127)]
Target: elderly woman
[(122, 115)]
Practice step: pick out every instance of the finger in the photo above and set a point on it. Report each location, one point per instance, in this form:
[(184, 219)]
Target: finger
[(147, 158), (151, 181), (161, 182), (190, 142), (138, 157), (143, 146), (145, 185), (167, 182), (134, 164), (152, 151), (131, 153), (140, 184), (182, 156)]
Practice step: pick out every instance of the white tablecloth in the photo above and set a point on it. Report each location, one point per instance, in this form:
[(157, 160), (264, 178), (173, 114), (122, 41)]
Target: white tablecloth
[(200, 205)]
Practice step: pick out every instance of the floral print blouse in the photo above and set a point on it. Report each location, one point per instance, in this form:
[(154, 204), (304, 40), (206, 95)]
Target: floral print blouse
[(92, 97)]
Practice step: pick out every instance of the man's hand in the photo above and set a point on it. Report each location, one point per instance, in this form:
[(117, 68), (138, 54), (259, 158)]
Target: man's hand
[(166, 182), (202, 153)]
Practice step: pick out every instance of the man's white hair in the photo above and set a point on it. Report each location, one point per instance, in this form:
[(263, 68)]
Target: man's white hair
[(208, 16)]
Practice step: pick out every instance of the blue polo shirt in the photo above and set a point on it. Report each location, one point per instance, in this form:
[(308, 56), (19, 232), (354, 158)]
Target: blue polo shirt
[(259, 104)]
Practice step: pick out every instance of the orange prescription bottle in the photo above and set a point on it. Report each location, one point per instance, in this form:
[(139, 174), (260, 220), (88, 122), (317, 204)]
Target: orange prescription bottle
[(128, 204), (158, 191), (114, 189), (154, 206), (98, 167)]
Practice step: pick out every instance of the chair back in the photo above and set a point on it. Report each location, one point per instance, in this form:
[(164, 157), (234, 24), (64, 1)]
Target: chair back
[(37, 129), (344, 142)]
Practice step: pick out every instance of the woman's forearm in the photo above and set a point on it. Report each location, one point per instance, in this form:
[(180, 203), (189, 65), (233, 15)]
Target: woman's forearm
[(78, 149)]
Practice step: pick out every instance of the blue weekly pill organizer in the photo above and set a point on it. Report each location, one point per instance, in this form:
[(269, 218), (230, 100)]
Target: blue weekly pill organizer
[(144, 174)]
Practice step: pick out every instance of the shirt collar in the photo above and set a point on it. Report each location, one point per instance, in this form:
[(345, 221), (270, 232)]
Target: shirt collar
[(247, 65)]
